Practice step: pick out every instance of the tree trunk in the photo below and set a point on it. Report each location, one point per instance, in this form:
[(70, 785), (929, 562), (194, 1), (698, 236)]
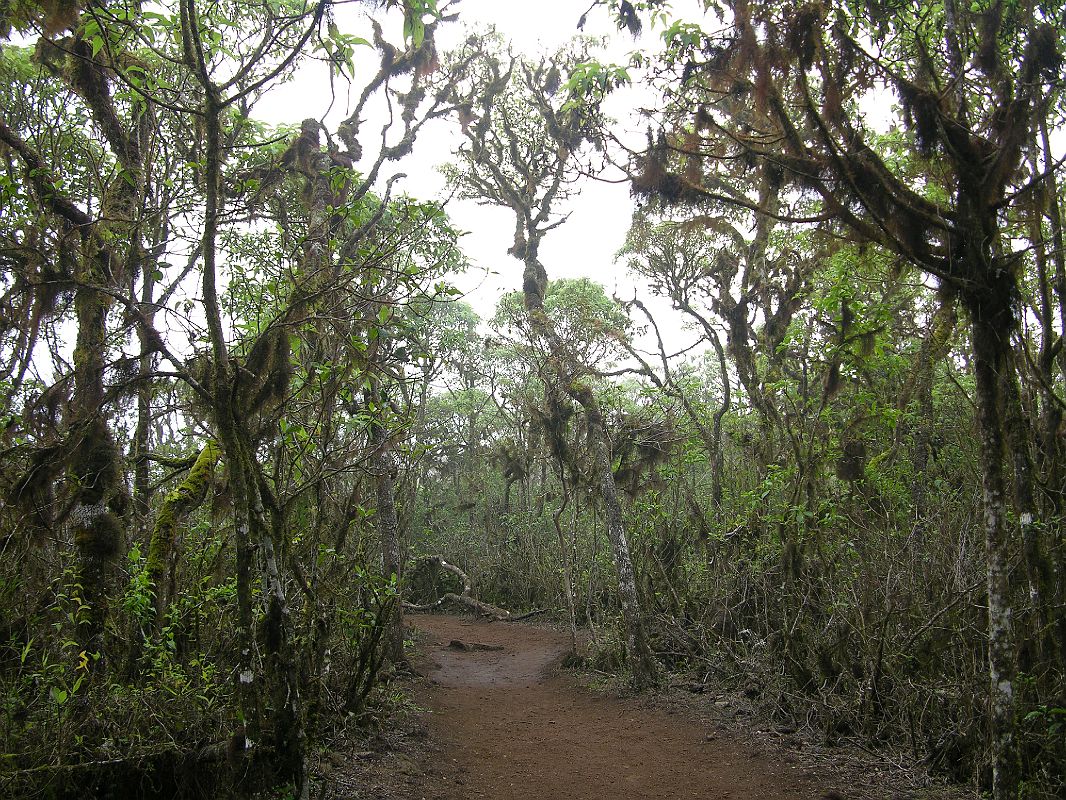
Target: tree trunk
[(641, 661), (1037, 568), (247, 685), (562, 375), (95, 467), (387, 526), (222, 400), (568, 567), (717, 457), (178, 504), (389, 531), (465, 596), (141, 443), (287, 736), (990, 348)]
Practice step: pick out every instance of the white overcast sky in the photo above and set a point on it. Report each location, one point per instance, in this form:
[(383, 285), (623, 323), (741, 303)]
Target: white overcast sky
[(600, 214)]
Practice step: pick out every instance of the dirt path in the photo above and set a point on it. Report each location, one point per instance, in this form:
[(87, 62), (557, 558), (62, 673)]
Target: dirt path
[(509, 730)]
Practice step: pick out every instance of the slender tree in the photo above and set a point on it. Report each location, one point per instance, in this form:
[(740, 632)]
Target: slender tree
[(523, 141)]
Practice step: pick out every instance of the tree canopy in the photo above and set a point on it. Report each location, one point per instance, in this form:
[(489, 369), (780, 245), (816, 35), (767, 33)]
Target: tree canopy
[(247, 419)]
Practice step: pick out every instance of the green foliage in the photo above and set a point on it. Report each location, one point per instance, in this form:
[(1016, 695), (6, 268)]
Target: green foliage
[(138, 600), (591, 81), (340, 49), (582, 314)]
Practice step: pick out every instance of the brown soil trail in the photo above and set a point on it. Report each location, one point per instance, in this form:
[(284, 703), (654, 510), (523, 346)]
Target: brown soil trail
[(510, 730)]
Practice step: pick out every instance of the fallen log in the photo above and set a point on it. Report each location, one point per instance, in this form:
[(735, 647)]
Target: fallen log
[(464, 598)]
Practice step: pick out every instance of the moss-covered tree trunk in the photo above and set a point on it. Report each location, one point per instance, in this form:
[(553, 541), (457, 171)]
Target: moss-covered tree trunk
[(178, 504), (266, 674), (222, 382), (641, 661), (111, 253), (386, 521), (96, 468), (564, 371), (988, 300)]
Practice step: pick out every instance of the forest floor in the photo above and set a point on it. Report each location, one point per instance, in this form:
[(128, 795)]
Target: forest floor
[(498, 720)]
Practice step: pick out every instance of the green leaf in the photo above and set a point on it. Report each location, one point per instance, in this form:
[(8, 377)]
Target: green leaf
[(414, 31)]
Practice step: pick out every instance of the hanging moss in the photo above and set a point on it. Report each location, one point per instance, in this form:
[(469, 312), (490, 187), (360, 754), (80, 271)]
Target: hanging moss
[(96, 464), (803, 32), (851, 464), (264, 379), (921, 112), (33, 492), (100, 536), (1042, 58)]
